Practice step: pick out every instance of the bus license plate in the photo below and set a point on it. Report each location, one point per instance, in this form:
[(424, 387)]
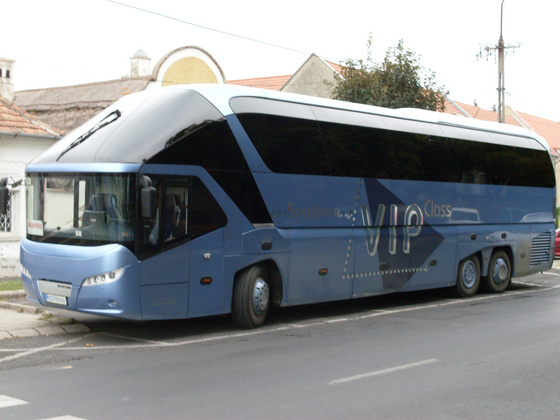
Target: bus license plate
[(57, 300)]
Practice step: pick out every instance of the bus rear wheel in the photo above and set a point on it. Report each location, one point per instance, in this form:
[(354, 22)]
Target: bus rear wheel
[(499, 273), (251, 297), (468, 277)]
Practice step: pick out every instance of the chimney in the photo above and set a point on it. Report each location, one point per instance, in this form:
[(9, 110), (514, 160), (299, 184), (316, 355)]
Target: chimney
[(139, 64), (6, 75)]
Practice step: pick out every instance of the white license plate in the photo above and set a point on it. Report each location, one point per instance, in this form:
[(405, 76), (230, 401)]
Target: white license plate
[(57, 300)]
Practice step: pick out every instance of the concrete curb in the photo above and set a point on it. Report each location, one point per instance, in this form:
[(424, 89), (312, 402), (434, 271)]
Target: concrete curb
[(18, 307), (34, 327), (16, 294), (12, 294)]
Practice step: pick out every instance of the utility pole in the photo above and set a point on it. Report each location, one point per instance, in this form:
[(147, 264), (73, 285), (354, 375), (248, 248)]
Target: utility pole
[(501, 47)]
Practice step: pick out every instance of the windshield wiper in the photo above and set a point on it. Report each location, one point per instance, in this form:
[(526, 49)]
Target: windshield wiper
[(105, 121)]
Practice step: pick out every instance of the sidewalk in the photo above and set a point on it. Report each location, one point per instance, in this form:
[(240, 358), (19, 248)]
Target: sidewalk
[(19, 318)]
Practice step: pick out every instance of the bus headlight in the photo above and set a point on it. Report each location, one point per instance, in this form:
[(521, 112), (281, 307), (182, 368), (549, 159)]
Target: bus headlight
[(104, 278), (25, 272)]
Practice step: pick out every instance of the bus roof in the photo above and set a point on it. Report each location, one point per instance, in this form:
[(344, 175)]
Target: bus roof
[(125, 132), (220, 96)]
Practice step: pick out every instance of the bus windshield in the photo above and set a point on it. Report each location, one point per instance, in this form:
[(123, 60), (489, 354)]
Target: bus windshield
[(81, 209)]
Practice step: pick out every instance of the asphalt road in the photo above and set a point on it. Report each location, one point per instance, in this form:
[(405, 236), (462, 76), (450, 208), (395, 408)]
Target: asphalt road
[(404, 356)]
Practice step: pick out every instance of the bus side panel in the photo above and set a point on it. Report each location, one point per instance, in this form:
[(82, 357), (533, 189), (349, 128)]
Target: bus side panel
[(207, 281), (394, 263), (541, 255), (438, 268), (370, 267), (307, 201), (164, 301), (536, 249), (164, 284), (321, 265), (484, 239)]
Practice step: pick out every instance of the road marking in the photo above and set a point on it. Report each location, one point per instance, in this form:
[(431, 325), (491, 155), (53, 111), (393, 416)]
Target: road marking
[(6, 401), (126, 337), (334, 321), (550, 273), (381, 372), (64, 418), (38, 350)]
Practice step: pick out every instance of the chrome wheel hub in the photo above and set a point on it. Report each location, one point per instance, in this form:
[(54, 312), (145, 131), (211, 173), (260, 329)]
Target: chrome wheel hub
[(500, 271), (261, 295), (469, 274)]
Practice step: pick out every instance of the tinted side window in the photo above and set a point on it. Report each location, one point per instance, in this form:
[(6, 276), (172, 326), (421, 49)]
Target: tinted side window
[(211, 146), (287, 145), (359, 151), (205, 214), (244, 192), (483, 163), (472, 162), (185, 210), (525, 167), (422, 157), (214, 147)]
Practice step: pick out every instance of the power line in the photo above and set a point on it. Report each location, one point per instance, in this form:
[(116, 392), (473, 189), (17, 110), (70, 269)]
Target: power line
[(208, 28), (501, 47)]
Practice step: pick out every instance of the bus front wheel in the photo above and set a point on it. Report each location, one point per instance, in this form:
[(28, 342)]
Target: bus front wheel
[(499, 273), (251, 297), (468, 277)]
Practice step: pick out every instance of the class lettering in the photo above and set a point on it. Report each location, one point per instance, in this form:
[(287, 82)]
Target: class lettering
[(432, 209)]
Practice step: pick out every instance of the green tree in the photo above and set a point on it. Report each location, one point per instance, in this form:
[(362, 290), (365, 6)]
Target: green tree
[(399, 81)]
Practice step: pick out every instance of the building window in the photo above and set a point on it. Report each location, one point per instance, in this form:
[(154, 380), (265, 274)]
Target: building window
[(6, 219), (7, 74)]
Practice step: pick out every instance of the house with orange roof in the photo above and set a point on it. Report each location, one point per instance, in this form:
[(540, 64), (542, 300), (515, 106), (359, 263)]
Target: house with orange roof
[(547, 129), (314, 78), (22, 138)]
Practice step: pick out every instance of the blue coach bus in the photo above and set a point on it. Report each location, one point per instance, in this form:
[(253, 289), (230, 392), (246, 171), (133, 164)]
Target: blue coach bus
[(191, 201)]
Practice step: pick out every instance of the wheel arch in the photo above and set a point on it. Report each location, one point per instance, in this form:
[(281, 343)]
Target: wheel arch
[(487, 253), (276, 280)]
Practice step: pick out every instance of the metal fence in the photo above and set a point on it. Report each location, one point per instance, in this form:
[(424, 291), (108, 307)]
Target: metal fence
[(7, 219)]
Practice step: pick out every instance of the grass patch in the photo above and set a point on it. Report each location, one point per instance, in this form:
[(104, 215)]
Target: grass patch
[(10, 284)]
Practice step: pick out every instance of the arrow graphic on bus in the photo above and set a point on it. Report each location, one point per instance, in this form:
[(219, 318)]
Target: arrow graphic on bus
[(403, 224)]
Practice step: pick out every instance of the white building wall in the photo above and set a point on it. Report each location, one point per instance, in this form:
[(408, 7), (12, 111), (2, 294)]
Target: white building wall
[(6, 76), (16, 151)]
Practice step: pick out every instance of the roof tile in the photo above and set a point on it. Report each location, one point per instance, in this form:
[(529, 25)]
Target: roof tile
[(270, 83), (15, 120)]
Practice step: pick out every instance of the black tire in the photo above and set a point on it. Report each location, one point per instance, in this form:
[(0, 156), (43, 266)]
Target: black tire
[(468, 277), (499, 273), (251, 297)]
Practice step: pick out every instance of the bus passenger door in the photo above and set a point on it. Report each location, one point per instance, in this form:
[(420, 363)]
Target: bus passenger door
[(182, 251), (164, 278), (206, 221)]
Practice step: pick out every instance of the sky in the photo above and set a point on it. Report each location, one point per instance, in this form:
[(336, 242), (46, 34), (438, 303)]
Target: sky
[(67, 42)]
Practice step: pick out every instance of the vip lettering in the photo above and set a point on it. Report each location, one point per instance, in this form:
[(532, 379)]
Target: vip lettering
[(411, 226)]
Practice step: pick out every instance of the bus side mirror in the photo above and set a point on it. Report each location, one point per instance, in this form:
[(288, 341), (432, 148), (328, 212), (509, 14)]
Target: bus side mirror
[(4, 196), (148, 198)]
